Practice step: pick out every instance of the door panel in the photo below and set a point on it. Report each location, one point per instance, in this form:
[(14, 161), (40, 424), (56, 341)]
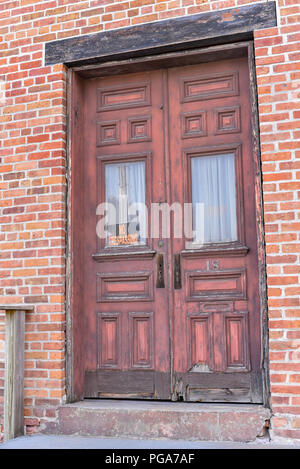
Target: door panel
[(167, 316), (127, 316), (216, 311)]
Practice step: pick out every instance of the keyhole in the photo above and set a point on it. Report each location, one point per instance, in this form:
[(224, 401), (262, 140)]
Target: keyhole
[(160, 283)]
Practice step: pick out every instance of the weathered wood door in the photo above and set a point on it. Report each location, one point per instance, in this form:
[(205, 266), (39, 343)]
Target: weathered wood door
[(127, 331), (173, 313), (216, 312)]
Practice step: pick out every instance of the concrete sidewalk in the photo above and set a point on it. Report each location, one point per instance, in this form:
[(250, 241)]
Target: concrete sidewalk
[(78, 442)]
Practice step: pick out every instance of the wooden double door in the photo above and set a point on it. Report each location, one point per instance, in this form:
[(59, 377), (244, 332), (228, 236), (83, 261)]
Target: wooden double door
[(170, 265)]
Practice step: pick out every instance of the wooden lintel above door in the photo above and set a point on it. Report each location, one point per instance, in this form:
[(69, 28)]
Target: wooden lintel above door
[(190, 31)]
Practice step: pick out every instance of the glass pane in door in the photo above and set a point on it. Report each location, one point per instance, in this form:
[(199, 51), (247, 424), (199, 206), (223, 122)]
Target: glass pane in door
[(125, 192), (214, 198)]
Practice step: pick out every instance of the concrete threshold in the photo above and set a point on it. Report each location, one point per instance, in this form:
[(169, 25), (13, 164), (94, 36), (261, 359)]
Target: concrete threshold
[(160, 420)]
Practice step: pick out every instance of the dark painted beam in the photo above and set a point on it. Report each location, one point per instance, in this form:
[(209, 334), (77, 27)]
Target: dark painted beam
[(205, 29)]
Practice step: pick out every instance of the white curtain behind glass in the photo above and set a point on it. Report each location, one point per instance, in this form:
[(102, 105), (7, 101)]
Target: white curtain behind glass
[(125, 190), (213, 185), (136, 196)]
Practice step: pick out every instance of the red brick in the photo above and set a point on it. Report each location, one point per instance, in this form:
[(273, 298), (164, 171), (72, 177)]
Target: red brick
[(288, 433)]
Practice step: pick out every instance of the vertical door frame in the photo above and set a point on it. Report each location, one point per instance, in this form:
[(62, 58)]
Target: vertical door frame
[(75, 147)]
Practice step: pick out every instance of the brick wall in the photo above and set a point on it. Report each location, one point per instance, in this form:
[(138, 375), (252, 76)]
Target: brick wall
[(278, 76), (33, 185)]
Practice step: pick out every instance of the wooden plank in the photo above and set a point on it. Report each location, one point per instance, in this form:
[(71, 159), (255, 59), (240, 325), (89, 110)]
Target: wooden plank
[(162, 61), (257, 389), (260, 385), (126, 254), (162, 386), (221, 387), (233, 380), (74, 277), (218, 395), (14, 374), (127, 384), (130, 384), (203, 29)]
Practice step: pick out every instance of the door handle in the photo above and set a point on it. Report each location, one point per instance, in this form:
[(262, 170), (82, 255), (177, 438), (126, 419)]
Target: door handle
[(177, 272), (160, 280)]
